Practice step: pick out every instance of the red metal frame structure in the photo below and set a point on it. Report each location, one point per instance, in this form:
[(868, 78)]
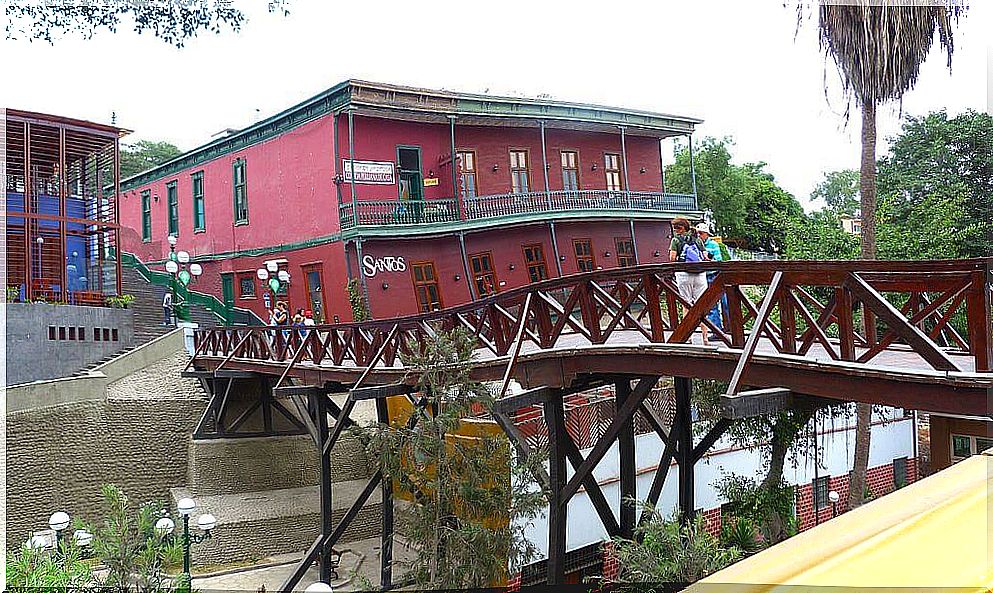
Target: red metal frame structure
[(905, 334), (61, 195)]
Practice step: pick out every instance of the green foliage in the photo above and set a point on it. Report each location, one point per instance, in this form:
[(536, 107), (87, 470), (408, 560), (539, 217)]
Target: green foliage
[(839, 190), (136, 557), (172, 22), (465, 526), (120, 302), (749, 207), (820, 236), (13, 294), (360, 312), (766, 507), (670, 552), (740, 533), (32, 568), (144, 155)]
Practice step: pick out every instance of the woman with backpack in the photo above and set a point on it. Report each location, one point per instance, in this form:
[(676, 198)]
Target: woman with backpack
[(686, 246)]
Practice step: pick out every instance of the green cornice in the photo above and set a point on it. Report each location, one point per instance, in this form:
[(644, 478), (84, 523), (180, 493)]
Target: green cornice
[(446, 228), (401, 99), (259, 251)]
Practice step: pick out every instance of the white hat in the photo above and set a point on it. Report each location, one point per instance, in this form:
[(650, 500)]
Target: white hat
[(703, 228)]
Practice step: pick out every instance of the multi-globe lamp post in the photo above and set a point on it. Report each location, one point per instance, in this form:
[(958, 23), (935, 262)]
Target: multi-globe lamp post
[(180, 268), (58, 523), (165, 527), (276, 279)]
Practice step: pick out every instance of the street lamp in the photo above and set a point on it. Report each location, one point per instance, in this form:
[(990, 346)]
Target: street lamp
[(318, 587), (177, 266), (205, 522), (58, 523), (833, 497), (276, 280)]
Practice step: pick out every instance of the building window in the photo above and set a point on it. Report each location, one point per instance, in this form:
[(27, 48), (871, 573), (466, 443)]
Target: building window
[(625, 251), (534, 259), (584, 255), (246, 286), (240, 193), (467, 173), (519, 172), (820, 487), (426, 286), (146, 215), (482, 273), (612, 169), (900, 472), (199, 219), (172, 203), (965, 445), (570, 170)]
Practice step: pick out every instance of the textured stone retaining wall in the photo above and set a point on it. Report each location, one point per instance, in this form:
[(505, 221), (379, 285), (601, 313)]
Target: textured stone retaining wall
[(28, 339)]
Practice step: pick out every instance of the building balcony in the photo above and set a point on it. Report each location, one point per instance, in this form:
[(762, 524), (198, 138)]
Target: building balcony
[(515, 206)]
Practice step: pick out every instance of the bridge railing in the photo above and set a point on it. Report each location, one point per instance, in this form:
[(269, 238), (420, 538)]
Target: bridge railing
[(933, 314)]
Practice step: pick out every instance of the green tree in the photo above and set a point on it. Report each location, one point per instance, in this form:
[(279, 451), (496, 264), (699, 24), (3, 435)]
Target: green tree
[(749, 208), (465, 526), (144, 155), (172, 22), (31, 568), (839, 190), (878, 49), (819, 236)]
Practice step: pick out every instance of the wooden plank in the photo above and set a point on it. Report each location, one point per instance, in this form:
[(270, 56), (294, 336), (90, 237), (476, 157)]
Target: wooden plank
[(758, 402), (753, 337), (524, 399), (378, 391)]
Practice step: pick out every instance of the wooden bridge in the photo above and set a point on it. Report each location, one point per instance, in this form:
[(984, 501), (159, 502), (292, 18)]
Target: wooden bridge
[(796, 333)]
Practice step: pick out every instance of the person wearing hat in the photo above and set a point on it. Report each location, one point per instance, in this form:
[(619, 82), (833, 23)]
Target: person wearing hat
[(687, 246), (714, 250), (308, 317)]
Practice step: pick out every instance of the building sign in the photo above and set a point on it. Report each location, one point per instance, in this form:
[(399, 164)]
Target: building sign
[(372, 266), (372, 172), (430, 181)]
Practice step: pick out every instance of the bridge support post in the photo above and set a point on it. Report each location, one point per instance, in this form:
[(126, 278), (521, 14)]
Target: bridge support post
[(625, 444), (557, 505), (386, 536), (684, 447), (319, 406)]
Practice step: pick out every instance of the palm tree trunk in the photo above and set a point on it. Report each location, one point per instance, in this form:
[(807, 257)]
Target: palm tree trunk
[(867, 189)]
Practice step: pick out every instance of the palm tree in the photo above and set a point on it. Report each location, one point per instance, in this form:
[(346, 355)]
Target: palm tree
[(878, 48)]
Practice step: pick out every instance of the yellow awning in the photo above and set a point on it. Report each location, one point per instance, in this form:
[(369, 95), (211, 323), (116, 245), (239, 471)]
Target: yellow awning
[(935, 534)]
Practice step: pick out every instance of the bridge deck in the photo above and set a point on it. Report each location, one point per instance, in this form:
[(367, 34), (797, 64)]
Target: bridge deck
[(634, 322)]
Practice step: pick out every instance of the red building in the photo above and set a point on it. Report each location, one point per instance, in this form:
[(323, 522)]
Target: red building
[(359, 182)]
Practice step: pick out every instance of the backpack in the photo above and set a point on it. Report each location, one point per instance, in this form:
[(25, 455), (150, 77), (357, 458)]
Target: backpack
[(691, 251)]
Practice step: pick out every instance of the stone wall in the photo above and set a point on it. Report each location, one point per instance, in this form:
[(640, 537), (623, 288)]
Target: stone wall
[(58, 456), (63, 337)]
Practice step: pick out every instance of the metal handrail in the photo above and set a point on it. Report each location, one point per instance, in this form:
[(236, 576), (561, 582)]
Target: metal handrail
[(412, 212)]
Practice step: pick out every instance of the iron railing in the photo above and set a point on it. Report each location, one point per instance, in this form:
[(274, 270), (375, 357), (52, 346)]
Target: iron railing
[(400, 212)]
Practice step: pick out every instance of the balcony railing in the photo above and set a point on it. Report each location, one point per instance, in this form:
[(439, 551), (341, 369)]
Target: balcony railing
[(397, 212)]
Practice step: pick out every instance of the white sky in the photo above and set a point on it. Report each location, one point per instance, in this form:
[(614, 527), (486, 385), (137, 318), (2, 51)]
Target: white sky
[(736, 64)]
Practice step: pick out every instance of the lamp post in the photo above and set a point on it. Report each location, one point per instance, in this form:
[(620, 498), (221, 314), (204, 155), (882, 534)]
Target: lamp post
[(58, 523), (833, 497), (276, 280), (180, 268), (205, 522), (318, 587)]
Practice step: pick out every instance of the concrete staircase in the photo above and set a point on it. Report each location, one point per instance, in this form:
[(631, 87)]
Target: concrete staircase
[(147, 307), (86, 370)]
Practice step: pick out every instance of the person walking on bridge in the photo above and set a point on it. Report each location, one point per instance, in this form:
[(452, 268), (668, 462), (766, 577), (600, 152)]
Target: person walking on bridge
[(714, 250), (686, 246)]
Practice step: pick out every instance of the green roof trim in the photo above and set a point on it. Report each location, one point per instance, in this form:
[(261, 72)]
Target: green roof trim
[(260, 251), (396, 98), (442, 228)]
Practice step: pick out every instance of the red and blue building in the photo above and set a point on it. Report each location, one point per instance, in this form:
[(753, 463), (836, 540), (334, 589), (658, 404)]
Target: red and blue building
[(424, 199)]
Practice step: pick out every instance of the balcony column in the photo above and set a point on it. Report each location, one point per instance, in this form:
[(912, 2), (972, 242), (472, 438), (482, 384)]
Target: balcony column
[(634, 243), (117, 211), (351, 163), (624, 165), (662, 165), (555, 247), (362, 280), (544, 164), (63, 272), (335, 165), (465, 266), (692, 166), (459, 211)]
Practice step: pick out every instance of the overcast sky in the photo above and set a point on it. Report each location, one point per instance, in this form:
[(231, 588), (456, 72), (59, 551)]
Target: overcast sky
[(739, 65)]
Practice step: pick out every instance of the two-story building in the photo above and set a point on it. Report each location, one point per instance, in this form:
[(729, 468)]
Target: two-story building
[(425, 198)]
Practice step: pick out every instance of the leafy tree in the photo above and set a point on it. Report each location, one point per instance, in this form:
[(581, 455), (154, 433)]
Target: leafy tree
[(749, 207), (465, 526), (172, 22), (671, 552), (878, 50), (145, 154), (839, 190), (819, 236)]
